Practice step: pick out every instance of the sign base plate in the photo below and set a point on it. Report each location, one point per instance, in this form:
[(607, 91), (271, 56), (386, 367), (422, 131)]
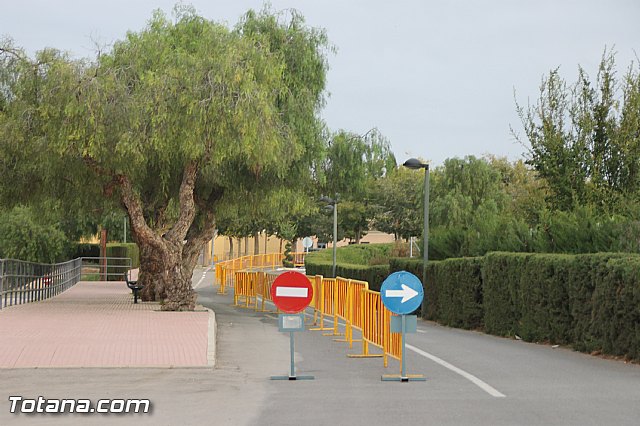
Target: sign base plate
[(292, 378), (399, 378)]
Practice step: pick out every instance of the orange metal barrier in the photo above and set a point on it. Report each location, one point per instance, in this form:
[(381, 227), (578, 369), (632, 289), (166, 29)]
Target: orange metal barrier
[(358, 317), (225, 270), (339, 298), (376, 328), (344, 308), (245, 284), (317, 303), (264, 290)]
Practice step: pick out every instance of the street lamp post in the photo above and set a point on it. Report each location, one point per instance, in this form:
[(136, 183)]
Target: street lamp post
[(333, 204), (416, 164)]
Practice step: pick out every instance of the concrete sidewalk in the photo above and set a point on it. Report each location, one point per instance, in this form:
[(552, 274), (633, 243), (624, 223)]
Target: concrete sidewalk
[(96, 324)]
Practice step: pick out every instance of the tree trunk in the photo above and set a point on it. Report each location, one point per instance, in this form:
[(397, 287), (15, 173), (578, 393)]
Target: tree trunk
[(166, 262), (230, 248), (266, 242), (166, 276), (246, 246), (180, 294), (150, 275)]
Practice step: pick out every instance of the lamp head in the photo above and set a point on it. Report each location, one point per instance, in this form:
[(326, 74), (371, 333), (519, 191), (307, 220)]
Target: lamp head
[(414, 163), (327, 200)]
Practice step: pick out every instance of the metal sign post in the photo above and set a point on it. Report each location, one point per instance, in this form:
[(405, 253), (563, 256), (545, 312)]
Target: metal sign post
[(402, 293), (291, 323), (291, 292)]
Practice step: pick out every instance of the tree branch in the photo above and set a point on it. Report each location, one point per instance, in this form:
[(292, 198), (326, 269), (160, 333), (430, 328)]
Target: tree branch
[(187, 204), (199, 233), (131, 201)]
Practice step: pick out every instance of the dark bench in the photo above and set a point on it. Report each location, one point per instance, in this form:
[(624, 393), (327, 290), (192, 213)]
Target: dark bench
[(134, 286)]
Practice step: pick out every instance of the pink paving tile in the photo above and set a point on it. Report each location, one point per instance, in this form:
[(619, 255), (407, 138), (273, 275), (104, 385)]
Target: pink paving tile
[(97, 325)]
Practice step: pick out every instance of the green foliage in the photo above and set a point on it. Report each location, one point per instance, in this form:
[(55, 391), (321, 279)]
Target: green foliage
[(302, 51), (398, 198), (453, 291), (355, 254), (24, 237), (116, 267), (483, 205), (113, 222), (615, 316), (584, 138), (242, 103), (580, 231), (86, 250), (353, 162), (129, 250), (589, 301), (183, 122), (469, 210), (527, 295), (353, 165), (501, 289), (287, 262)]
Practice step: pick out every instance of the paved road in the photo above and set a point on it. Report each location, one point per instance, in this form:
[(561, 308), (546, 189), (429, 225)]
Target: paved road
[(467, 373), (472, 378)]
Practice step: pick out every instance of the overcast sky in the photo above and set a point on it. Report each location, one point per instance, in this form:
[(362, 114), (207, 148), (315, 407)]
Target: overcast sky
[(437, 77)]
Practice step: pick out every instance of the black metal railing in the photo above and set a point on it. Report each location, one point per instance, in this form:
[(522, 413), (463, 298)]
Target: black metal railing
[(24, 282)]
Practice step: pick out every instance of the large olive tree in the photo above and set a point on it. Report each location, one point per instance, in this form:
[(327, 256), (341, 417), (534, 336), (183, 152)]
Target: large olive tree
[(176, 123)]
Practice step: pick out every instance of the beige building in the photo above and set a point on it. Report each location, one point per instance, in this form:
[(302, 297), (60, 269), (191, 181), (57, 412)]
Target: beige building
[(225, 248)]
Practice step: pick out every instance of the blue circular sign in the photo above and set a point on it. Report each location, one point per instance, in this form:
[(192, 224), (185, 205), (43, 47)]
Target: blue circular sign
[(402, 292)]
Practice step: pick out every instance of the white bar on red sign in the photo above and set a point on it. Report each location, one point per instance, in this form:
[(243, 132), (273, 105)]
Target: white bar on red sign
[(292, 292)]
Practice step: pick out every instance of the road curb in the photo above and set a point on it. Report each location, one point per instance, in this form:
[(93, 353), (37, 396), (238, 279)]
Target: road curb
[(212, 335)]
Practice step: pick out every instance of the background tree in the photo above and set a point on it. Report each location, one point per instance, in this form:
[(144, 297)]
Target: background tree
[(583, 139), (174, 123), (398, 199), (24, 236), (352, 166)]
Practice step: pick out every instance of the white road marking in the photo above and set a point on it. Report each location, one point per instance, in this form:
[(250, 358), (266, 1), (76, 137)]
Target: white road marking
[(422, 331), (292, 291), (204, 274), (473, 379)]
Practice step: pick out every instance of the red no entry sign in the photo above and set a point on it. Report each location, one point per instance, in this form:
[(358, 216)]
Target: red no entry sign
[(291, 292)]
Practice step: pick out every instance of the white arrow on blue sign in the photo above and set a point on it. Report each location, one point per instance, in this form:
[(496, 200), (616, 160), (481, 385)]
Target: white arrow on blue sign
[(402, 292)]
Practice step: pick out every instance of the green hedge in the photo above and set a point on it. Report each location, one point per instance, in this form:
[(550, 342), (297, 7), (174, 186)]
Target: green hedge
[(86, 250), (588, 301), (453, 292), (566, 299), (374, 275), (352, 262), (615, 325), (501, 286), (117, 267), (355, 254)]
